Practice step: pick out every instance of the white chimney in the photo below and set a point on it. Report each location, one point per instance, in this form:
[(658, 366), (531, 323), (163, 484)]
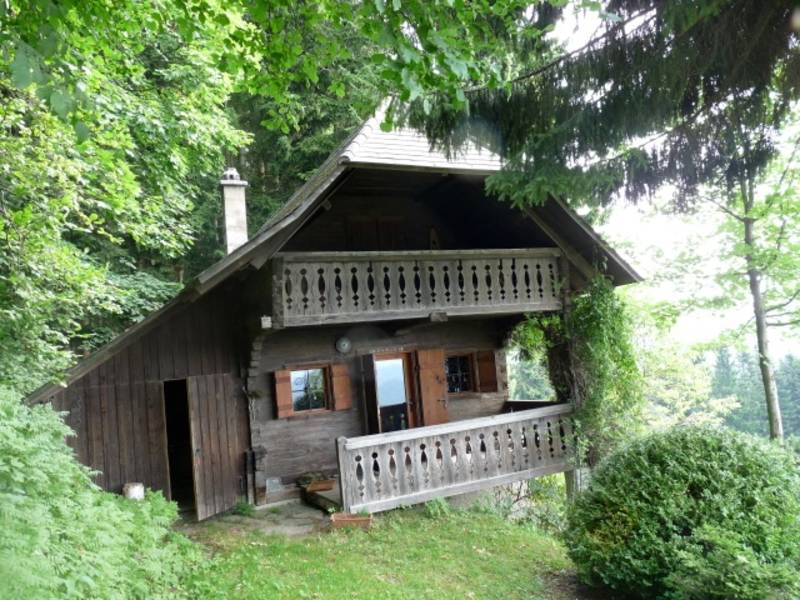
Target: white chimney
[(235, 209)]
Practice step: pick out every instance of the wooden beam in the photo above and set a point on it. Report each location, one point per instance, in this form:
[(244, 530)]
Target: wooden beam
[(573, 255)]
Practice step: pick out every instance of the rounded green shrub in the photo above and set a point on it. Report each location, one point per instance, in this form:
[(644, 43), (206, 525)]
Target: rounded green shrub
[(691, 513)]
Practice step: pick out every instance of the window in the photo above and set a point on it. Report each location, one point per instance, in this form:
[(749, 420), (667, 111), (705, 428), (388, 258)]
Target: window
[(308, 389), (459, 374), (471, 372), (311, 389)]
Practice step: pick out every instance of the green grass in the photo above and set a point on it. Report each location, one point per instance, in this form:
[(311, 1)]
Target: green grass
[(407, 554)]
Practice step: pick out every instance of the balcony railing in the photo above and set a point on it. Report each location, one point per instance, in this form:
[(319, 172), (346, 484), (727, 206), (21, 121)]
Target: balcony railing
[(316, 287), (383, 471)]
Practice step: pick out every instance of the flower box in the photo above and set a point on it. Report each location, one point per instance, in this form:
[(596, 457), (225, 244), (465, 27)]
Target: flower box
[(340, 520)]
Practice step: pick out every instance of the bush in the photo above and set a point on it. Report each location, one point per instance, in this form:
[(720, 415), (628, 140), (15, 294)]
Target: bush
[(691, 513), (244, 509), (63, 537)]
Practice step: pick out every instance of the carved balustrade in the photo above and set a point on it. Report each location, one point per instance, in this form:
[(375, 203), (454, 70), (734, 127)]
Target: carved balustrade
[(383, 471), (316, 287)]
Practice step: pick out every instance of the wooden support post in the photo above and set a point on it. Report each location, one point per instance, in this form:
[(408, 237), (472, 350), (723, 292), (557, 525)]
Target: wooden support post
[(577, 481)]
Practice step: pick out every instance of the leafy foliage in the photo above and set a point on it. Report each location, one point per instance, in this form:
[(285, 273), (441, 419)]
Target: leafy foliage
[(64, 537), (611, 395), (739, 376), (677, 379), (693, 512), (270, 47), (91, 195), (592, 363), (527, 374)]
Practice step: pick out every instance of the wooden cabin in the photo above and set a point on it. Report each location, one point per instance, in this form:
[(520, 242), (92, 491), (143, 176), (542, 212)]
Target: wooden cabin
[(360, 333)]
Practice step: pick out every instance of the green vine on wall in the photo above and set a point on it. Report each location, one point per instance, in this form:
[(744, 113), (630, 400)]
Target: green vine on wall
[(592, 363)]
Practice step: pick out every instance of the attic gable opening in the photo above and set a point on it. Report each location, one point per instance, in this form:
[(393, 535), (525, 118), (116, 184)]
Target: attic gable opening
[(377, 209)]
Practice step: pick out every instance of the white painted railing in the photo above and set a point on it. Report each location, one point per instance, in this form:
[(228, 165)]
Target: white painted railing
[(319, 287), (383, 471)]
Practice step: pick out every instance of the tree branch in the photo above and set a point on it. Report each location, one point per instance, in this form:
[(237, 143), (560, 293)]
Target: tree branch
[(558, 60), (791, 299), (784, 323), (726, 210)]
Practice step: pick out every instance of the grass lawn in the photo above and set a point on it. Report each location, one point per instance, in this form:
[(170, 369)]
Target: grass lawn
[(407, 554)]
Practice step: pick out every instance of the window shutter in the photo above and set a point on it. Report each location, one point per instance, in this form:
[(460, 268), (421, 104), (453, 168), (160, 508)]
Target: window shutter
[(283, 393), (342, 388), (487, 371)]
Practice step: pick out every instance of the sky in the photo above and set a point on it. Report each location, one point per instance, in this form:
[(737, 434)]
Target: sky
[(653, 242)]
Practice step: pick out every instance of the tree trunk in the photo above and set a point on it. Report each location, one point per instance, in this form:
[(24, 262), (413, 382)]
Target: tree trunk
[(762, 337)]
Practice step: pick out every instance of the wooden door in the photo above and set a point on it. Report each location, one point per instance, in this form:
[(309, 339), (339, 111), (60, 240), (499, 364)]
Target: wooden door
[(218, 424), (432, 386), (370, 393), (394, 396)]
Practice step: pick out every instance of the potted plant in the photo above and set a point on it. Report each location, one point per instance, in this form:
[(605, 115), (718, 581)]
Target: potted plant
[(361, 519)]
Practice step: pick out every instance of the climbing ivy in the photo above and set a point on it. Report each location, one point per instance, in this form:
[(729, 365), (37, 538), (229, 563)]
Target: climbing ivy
[(592, 363)]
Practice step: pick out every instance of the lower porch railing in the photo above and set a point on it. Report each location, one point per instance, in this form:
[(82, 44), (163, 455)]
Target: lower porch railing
[(382, 471)]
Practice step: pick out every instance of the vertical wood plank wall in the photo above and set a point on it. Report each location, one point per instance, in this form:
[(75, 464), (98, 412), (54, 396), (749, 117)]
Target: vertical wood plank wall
[(117, 409)]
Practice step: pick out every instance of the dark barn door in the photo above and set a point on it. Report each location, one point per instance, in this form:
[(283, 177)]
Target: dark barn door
[(219, 439)]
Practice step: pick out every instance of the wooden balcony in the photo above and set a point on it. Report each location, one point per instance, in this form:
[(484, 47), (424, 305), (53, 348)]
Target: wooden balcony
[(383, 471), (343, 287)]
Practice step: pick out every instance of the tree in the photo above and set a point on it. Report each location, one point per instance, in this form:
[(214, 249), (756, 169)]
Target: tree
[(683, 93), (120, 116), (528, 377), (751, 415), (92, 211), (723, 382), (762, 235), (271, 46), (643, 103), (678, 383), (788, 377)]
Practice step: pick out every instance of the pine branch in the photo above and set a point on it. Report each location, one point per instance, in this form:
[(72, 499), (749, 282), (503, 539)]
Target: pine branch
[(558, 60)]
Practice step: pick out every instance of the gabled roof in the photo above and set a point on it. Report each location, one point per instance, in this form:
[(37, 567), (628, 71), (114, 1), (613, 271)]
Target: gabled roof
[(367, 147)]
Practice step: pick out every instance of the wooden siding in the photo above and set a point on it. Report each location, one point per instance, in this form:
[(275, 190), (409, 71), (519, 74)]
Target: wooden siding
[(117, 409), (354, 212), (290, 447)]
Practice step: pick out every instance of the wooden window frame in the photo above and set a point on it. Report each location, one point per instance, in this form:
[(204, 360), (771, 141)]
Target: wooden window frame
[(333, 403), (477, 384), (326, 381), (472, 359)]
